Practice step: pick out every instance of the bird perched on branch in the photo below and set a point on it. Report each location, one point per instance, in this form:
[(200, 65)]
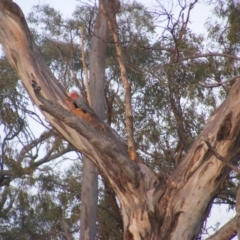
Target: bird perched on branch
[(79, 107), (78, 102), (82, 109)]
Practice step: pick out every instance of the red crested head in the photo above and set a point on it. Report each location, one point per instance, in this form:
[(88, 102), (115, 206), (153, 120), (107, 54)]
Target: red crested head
[(74, 95)]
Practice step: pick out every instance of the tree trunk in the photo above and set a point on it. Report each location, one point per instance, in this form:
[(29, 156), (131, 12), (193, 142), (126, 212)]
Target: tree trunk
[(152, 207), (89, 197), (89, 194)]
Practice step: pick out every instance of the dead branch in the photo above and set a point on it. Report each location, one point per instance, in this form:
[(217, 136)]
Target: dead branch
[(109, 9)]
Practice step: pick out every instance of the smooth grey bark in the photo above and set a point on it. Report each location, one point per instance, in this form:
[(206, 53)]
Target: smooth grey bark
[(89, 197), (89, 191)]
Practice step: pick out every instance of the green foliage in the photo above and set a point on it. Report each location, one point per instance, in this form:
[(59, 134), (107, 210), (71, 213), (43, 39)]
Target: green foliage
[(234, 22)]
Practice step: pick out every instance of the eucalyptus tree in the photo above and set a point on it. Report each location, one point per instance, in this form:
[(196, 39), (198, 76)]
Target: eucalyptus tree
[(159, 95)]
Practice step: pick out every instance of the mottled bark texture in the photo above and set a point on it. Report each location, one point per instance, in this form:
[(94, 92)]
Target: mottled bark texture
[(152, 207)]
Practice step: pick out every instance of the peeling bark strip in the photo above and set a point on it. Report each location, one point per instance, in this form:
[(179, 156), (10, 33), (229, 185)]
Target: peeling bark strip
[(152, 208)]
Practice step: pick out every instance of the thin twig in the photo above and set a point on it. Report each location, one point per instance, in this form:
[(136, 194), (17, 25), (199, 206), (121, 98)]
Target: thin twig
[(212, 85)]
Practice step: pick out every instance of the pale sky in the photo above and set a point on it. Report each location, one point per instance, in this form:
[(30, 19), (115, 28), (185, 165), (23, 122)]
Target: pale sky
[(65, 7), (198, 16)]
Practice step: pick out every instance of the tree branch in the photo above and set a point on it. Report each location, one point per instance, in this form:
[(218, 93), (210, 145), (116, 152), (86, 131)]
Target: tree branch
[(103, 148), (32, 144), (64, 224), (212, 85), (228, 231), (104, 141), (109, 9), (218, 156), (49, 156), (193, 54)]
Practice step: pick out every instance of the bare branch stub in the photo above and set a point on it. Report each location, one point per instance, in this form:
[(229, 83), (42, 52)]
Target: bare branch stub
[(221, 158)]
